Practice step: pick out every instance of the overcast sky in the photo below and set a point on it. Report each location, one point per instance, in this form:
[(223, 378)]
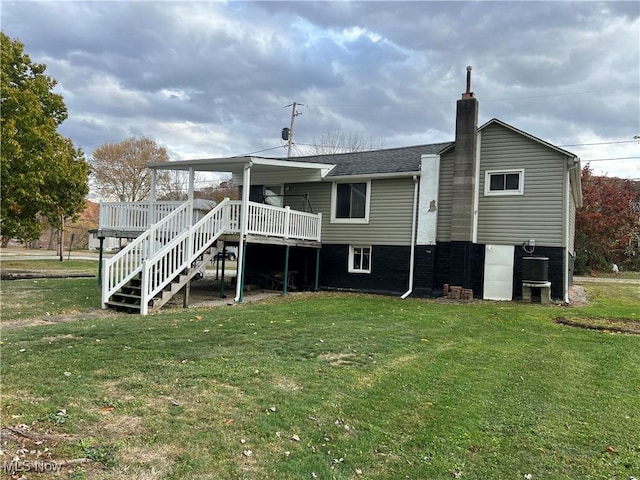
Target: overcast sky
[(213, 79)]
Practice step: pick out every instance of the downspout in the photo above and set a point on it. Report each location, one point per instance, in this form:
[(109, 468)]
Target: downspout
[(413, 237), (244, 219)]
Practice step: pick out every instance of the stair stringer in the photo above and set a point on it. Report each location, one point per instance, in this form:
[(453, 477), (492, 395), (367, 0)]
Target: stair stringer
[(178, 283)]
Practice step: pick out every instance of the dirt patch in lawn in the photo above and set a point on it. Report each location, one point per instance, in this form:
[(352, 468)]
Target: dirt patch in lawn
[(577, 296), (616, 325)]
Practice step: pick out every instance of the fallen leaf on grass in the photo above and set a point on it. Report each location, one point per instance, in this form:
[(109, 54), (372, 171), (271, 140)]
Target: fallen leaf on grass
[(106, 409), (610, 449)]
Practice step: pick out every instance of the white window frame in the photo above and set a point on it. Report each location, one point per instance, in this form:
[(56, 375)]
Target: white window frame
[(352, 249), (487, 182), (280, 196), (334, 201)]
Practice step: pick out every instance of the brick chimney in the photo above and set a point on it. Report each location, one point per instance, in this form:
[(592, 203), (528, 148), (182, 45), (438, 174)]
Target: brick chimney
[(464, 181)]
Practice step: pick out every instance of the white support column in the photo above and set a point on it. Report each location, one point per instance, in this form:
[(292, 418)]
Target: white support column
[(189, 251), (428, 202), (287, 221), (190, 195), (244, 221), (152, 198)]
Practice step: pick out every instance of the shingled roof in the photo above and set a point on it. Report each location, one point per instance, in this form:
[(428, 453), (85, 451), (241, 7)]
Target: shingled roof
[(391, 160)]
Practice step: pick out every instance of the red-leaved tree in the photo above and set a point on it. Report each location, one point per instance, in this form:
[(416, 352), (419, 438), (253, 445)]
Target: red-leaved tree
[(607, 223)]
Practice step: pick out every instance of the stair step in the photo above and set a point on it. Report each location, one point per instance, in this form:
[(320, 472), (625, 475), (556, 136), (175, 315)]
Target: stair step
[(127, 306), (129, 297)]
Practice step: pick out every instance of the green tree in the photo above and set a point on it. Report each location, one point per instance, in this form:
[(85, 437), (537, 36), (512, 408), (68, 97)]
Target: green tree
[(42, 173)]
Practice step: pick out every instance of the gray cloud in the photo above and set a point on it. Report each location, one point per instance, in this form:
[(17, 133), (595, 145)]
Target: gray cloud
[(210, 79)]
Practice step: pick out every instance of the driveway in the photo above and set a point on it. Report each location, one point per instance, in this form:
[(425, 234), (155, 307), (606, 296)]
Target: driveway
[(579, 280)]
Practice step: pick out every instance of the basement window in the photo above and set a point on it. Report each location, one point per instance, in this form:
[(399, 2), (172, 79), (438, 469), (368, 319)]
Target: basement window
[(359, 259), (505, 182), (350, 202)]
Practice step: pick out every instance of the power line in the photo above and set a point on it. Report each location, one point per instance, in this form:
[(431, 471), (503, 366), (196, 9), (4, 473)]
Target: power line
[(609, 159), (258, 151), (443, 102), (598, 143)]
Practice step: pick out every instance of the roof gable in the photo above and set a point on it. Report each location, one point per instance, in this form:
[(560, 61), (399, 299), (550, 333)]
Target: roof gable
[(495, 121)]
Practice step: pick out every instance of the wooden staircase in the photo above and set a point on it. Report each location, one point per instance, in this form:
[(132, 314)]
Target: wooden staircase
[(129, 297), (161, 260)]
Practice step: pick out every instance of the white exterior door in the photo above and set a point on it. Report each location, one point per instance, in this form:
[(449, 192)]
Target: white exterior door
[(498, 272)]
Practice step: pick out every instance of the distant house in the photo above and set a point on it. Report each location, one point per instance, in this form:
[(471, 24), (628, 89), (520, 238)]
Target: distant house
[(403, 221)]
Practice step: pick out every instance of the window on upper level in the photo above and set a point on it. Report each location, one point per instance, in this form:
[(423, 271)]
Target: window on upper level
[(505, 182), (350, 202)]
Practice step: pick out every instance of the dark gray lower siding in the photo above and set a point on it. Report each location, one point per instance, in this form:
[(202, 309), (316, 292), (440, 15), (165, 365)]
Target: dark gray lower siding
[(435, 265), (389, 270), (425, 269), (463, 265)]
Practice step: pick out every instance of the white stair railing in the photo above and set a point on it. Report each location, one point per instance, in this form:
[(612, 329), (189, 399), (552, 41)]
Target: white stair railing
[(177, 255), (118, 270)]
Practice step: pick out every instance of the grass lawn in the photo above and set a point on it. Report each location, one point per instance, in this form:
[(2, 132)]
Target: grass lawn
[(38, 297), (331, 386), (88, 267)]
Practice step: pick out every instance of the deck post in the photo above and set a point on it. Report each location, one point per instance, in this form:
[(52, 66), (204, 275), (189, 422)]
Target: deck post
[(315, 286), (244, 222), (151, 217), (224, 246), (100, 261), (285, 274), (187, 292), (240, 275)]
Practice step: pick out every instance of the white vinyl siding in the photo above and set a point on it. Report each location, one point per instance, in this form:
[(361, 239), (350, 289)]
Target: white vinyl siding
[(390, 212), (538, 213)]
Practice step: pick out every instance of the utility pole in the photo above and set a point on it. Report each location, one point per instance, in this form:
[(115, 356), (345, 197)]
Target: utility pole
[(294, 114)]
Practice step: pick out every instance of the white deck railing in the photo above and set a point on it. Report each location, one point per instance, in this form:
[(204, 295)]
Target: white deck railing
[(283, 222), (134, 216), (172, 244)]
